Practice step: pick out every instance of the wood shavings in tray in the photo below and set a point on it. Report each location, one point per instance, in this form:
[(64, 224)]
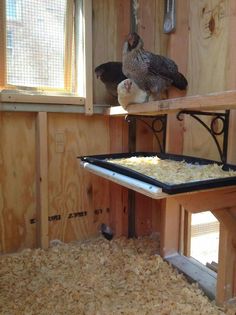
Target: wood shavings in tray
[(172, 172), (97, 277)]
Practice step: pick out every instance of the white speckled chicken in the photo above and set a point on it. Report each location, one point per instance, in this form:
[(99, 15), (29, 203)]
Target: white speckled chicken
[(129, 93), (152, 73)]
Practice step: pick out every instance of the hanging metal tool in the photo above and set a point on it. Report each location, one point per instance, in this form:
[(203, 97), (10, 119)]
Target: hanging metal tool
[(169, 16)]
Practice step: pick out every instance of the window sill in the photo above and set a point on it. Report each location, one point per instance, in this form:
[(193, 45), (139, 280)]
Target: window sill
[(31, 101), (23, 96)]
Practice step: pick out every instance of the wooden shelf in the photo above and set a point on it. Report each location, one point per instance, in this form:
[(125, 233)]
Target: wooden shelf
[(211, 102)]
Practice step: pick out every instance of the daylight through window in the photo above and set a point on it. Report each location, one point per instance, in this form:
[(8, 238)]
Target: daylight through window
[(35, 39)]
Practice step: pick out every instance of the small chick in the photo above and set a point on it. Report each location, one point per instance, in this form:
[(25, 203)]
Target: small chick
[(110, 73), (129, 93)]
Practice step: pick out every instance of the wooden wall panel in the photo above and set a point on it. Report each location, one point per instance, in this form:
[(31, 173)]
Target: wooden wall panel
[(207, 65), (17, 181), (111, 22), (118, 194), (231, 80), (149, 19), (78, 197)]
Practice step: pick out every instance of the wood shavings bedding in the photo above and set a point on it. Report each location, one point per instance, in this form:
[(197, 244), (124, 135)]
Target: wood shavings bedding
[(97, 277), (172, 172)]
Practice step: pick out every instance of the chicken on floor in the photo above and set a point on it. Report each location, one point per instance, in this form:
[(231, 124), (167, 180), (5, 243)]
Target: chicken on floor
[(152, 73), (110, 73), (130, 93)]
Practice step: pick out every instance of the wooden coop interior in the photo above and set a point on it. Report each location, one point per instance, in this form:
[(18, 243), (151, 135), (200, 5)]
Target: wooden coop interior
[(46, 195)]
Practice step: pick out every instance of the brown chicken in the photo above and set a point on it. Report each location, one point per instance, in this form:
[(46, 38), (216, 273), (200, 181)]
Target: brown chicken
[(111, 75), (152, 73)]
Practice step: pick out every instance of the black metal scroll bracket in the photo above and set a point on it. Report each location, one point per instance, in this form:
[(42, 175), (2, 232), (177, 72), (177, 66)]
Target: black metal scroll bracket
[(157, 126), (223, 117)]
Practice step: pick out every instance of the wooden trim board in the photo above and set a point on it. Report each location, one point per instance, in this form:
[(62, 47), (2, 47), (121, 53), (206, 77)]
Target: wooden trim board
[(214, 101)]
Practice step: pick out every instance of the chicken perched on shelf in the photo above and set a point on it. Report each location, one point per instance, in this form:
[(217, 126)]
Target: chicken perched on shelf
[(152, 73), (129, 93), (110, 73)]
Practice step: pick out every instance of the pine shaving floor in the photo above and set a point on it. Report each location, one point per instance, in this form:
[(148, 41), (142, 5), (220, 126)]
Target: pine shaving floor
[(97, 277)]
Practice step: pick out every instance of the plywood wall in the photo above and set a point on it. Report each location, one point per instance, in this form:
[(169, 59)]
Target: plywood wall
[(75, 196), (111, 23), (208, 67), (17, 181), (78, 202)]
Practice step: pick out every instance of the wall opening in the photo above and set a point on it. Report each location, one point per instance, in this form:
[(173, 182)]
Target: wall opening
[(204, 239)]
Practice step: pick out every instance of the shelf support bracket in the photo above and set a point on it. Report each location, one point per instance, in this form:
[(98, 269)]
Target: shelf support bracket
[(157, 124), (211, 128)]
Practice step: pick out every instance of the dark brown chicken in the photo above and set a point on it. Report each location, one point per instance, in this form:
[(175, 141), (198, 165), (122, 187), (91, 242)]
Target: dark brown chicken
[(111, 75), (152, 73)]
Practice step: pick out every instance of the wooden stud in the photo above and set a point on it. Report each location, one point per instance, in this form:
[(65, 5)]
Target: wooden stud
[(42, 180), (87, 7), (227, 219), (205, 200), (118, 194), (231, 81), (226, 267), (171, 210), (170, 227)]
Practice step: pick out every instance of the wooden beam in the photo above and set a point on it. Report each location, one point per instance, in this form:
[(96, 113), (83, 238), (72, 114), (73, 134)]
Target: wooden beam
[(88, 55), (170, 227), (205, 200), (226, 266), (16, 96), (42, 180), (213, 101), (170, 236), (227, 219), (231, 81)]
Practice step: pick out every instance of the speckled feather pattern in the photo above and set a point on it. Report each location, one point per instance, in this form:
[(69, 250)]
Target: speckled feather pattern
[(153, 73)]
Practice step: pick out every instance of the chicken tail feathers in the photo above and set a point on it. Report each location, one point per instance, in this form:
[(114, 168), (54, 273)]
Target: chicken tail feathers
[(179, 81)]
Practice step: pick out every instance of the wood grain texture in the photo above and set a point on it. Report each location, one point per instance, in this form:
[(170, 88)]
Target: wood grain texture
[(149, 19), (79, 198), (178, 51), (118, 128), (226, 267), (88, 46), (207, 66), (231, 80), (208, 102), (42, 180), (170, 227), (17, 181), (111, 22), (205, 200)]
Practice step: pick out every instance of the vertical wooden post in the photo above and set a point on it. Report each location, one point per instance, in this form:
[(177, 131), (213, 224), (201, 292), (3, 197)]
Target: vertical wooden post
[(42, 180), (88, 39), (225, 278), (170, 210), (170, 227), (231, 81)]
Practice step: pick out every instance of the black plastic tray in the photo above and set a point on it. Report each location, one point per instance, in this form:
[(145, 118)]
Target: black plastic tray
[(101, 160)]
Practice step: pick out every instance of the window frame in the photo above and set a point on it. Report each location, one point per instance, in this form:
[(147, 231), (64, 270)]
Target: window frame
[(69, 94)]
